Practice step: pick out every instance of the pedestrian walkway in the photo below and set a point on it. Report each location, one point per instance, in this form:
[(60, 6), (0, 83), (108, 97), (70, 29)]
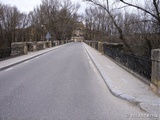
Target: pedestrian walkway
[(16, 60), (123, 84)]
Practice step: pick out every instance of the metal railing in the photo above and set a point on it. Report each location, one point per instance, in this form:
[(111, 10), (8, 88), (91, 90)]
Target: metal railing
[(140, 65)]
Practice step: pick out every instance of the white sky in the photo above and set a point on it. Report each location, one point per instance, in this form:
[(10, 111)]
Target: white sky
[(28, 5), (22, 5)]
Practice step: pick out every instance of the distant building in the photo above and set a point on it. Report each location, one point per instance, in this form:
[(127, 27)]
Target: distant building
[(78, 33)]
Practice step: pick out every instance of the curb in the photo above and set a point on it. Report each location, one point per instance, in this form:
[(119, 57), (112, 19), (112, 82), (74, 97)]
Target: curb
[(108, 81), (143, 79), (19, 62), (116, 92)]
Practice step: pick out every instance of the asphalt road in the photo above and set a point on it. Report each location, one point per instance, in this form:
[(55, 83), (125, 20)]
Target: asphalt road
[(60, 85)]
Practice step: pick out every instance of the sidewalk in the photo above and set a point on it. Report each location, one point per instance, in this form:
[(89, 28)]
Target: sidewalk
[(17, 60), (124, 85)]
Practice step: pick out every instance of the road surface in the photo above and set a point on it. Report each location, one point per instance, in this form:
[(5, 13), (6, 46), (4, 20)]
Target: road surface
[(60, 85)]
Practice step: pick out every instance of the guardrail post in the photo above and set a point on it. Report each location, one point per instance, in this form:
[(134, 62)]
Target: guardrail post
[(155, 77)]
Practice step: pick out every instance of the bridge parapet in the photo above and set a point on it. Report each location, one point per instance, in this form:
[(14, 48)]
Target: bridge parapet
[(155, 71), (20, 48), (145, 68)]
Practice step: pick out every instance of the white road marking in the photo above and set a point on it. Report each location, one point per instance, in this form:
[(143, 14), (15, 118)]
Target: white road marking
[(8, 69), (26, 62)]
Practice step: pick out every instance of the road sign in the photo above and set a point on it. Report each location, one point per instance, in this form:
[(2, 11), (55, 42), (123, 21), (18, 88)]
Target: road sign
[(48, 36)]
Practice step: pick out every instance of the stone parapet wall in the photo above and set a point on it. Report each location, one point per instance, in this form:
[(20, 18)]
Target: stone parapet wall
[(40, 45), (155, 78), (31, 46), (155, 72), (78, 39), (19, 48)]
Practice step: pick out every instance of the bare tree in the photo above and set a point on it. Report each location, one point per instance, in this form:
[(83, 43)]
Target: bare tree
[(153, 9), (54, 16), (58, 17), (96, 21), (10, 17), (106, 7)]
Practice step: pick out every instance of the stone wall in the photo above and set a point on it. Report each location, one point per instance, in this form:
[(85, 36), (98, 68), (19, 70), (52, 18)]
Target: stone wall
[(40, 45), (155, 78), (78, 39), (155, 74), (20, 48), (32, 46)]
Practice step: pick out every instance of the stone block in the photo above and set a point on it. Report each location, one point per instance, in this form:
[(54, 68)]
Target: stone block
[(40, 45), (19, 48), (25, 49), (155, 55), (49, 44), (62, 42), (155, 77), (100, 47), (34, 45), (56, 43), (44, 45)]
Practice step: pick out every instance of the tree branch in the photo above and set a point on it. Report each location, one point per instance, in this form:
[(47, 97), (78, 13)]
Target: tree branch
[(138, 7)]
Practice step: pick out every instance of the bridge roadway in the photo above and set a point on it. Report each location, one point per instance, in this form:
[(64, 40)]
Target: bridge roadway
[(60, 85)]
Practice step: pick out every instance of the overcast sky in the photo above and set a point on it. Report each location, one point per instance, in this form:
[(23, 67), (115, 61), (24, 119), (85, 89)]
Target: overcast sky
[(28, 5)]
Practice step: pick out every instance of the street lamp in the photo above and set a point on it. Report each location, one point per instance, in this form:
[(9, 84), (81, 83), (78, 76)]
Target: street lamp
[(42, 37)]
